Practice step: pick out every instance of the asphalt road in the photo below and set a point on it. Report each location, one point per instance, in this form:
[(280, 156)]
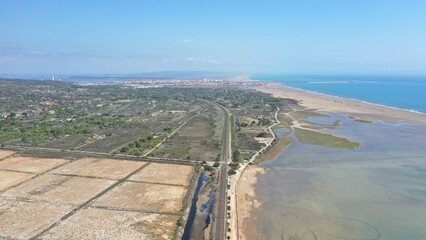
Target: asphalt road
[(220, 229)]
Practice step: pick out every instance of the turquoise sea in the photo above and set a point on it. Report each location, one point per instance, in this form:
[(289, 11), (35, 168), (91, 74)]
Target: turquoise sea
[(407, 92)]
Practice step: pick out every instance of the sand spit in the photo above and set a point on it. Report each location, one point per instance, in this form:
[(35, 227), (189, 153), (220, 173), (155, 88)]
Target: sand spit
[(358, 109)]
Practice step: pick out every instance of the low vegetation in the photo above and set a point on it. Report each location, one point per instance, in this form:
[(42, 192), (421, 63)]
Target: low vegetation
[(138, 147), (329, 140)]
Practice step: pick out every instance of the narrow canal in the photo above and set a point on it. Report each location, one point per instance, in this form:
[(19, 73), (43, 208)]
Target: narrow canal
[(202, 180)]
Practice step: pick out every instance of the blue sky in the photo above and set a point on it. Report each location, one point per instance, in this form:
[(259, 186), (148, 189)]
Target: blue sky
[(300, 36)]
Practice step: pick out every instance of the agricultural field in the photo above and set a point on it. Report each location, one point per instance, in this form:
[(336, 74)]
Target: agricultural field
[(91, 198)]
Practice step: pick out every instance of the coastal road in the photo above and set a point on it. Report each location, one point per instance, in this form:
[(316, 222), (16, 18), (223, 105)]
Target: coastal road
[(220, 230), (235, 178)]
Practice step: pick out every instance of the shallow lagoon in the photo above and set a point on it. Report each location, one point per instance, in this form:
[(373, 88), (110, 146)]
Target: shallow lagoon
[(375, 192)]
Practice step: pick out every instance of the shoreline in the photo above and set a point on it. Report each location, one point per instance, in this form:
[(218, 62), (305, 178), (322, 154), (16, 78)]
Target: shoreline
[(356, 100), (328, 103)]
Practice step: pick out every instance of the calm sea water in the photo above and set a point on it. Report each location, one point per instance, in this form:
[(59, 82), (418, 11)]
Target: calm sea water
[(407, 92)]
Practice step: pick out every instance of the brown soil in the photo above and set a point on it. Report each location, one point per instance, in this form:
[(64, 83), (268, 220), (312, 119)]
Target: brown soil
[(95, 223), (102, 168), (23, 220), (144, 197), (59, 189), (31, 164), (5, 153), (131, 210), (8, 179), (164, 173)]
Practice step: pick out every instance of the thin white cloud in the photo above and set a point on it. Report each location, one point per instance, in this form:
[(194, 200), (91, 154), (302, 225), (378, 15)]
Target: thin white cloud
[(36, 52), (166, 60), (213, 61), (186, 40), (191, 59), (196, 60)]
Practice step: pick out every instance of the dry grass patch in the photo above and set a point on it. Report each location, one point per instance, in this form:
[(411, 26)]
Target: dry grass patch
[(31, 164), (197, 128), (8, 179), (102, 168), (5, 153), (144, 197), (164, 173), (59, 189), (199, 139), (23, 220), (95, 223)]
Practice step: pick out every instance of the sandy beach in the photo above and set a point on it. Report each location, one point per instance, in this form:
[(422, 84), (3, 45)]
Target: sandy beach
[(358, 109)]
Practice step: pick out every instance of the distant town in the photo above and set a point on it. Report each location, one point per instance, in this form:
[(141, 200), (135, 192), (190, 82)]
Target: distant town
[(148, 83)]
